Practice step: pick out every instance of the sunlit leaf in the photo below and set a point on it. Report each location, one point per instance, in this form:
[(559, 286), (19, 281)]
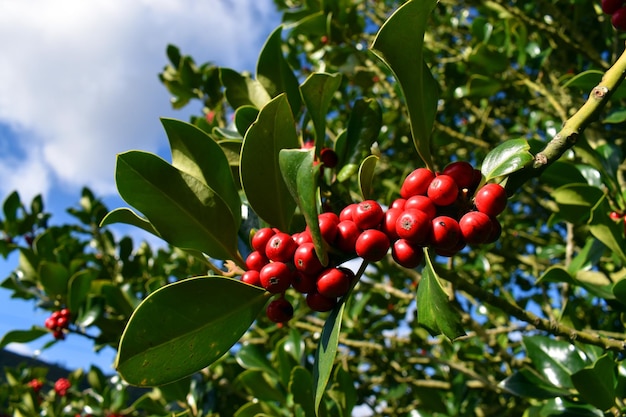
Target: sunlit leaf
[(317, 91), (555, 360), (596, 383), (366, 176), (22, 336), (506, 158)]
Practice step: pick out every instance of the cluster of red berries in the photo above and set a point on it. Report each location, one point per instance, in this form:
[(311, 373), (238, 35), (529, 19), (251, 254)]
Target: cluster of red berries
[(61, 386), (440, 211), (617, 10), (57, 322)]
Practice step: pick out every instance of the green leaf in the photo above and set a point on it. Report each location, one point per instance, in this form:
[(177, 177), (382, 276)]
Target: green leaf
[(576, 201), (399, 44), (300, 175), (261, 386), (301, 388), (560, 173), (79, 286), (184, 327), (366, 176), (607, 231), (243, 90), (617, 116), (10, 207), (434, 310), (619, 290), (274, 73), (596, 383), (251, 356), (363, 130), (526, 383), (54, 277), (244, 117), (184, 211), (587, 80), (127, 216), (479, 86), (555, 360), (197, 154), (506, 158), (318, 91), (22, 336), (326, 352), (261, 177)]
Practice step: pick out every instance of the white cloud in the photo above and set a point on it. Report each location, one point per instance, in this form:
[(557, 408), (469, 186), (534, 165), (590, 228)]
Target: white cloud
[(79, 80)]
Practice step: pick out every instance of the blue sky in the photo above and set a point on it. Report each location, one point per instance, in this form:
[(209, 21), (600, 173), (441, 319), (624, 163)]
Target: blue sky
[(79, 85)]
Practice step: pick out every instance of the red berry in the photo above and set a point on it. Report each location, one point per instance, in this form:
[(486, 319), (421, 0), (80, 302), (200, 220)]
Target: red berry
[(252, 277), (50, 323), (619, 19), (413, 225), (256, 260), (615, 215), (388, 224), (61, 386), (63, 322), (329, 157), (58, 334), (490, 199), (305, 259), (416, 183), (302, 237), (303, 283), (64, 312), (452, 251), (318, 302), (280, 247), (328, 226), (260, 238), (368, 214), (475, 227), (611, 6), (347, 212), (55, 315), (476, 179), (496, 231), (279, 310), (35, 384), (462, 172), (276, 277), (443, 190), (423, 203), (406, 254), (334, 282), (398, 203), (347, 234), (446, 232), (372, 245)]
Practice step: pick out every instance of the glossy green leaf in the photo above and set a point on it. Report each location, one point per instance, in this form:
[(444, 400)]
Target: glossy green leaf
[(366, 176), (79, 286), (587, 80), (344, 393), (251, 356), (506, 158), (619, 290), (607, 231), (434, 310), (54, 277), (22, 336), (184, 211), (317, 92), (561, 173), (479, 86), (261, 386), (274, 73), (261, 177), (197, 154), (244, 117), (399, 44), (596, 383), (526, 383), (363, 130), (184, 327), (243, 90), (300, 175), (326, 352), (617, 116), (576, 201), (127, 216), (301, 388), (555, 360)]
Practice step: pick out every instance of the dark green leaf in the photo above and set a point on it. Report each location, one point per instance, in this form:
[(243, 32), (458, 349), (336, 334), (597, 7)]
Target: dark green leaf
[(506, 158), (619, 290), (251, 356), (184, 327), (576, 201), (366, 176), (274, 73), (127, 216), (260, 385), (596, 384), (185, 211), (11, 206), (243, 90), (399, 44), (79, 286), (22, 336), (301, 387), (617, 116), (300, 175), (434, 310), (607, 231), (555, 360), (525, 383), (561, 173), (54, 277), (317, 91), (261, 177), (244, 117), (197, 154)]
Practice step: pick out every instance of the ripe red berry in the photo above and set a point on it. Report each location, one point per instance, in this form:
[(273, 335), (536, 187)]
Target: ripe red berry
[(406, 254), (50, 323), (615, 215), (347, 234), (279, 310), (334, 282), (302, 237), (443, 190), (328, 226), (329, 157), (305, 259), (372, 245), (63, 322), (413, 225), (611, 6), (462, 172), (452, 251), (252, 277), (318, 302), (490, 199), (256, 260), (423, 203), (260, 238), (347, 212), (618, 20), (61, 386), (64, 312), (416, 183), (475, 227), (58, 334), (280, 247), (368, 214), (388, 224), (446, 232), (496, 231), (276, 277), (303, 283), (398, 203)]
